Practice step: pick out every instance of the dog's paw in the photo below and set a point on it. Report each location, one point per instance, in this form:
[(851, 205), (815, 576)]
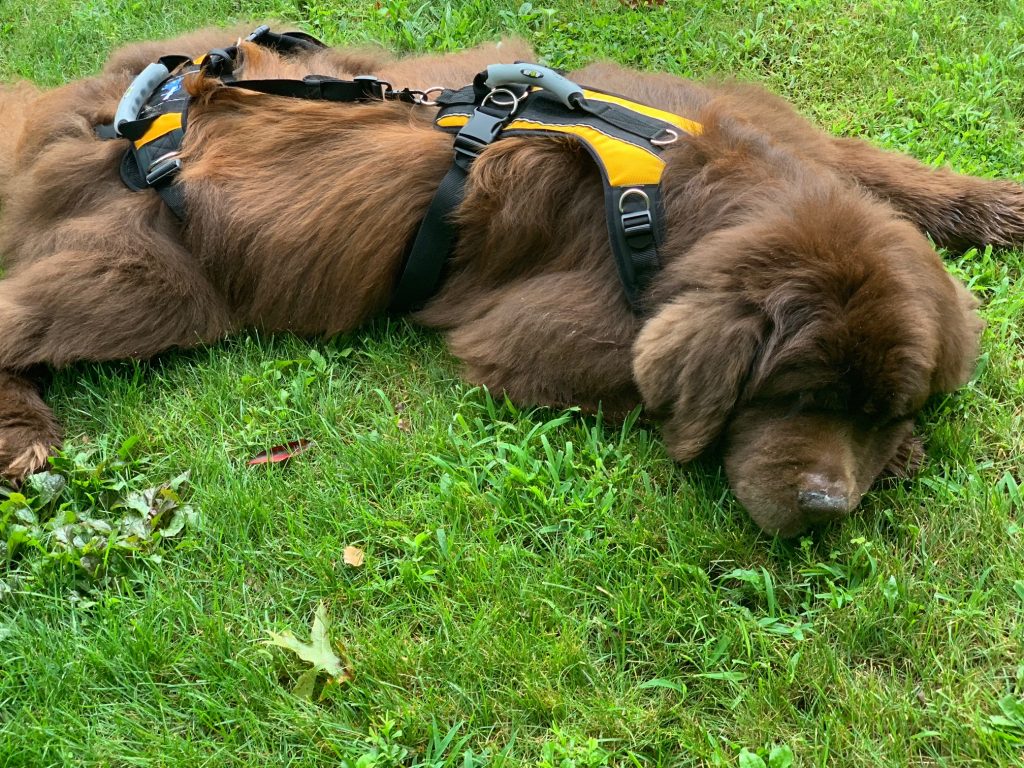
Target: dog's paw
[(908, 460), (21, 456), (29, 433)]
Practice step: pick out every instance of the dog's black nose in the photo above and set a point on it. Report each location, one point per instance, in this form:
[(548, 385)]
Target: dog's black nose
[(822, 499), (819, 501)]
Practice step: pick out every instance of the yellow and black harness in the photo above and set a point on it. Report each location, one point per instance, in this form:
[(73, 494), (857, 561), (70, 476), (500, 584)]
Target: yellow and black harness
[(625, 139)]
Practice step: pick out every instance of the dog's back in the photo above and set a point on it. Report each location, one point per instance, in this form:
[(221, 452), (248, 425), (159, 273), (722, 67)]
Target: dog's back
[(15, 103)]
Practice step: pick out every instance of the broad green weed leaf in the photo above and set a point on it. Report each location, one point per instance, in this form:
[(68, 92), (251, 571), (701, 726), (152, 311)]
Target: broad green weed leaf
[(176, 524), (1018, 587), (125, 451), (27, 515), (1013, 711), (45, 486), (731, 676), (780, 757), (750, 759)]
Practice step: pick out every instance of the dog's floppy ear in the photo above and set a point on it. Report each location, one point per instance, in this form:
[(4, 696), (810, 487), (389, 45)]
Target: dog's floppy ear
[(960, 336), (690, 363)]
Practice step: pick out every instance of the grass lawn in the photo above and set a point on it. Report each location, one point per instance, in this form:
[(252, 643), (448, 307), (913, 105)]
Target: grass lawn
[(538, 588)]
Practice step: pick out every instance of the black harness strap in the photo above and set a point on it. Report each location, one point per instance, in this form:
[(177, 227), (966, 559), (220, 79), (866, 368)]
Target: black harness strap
[(154, 165), (434, 240), (633, 230), (286, 43), (323, 88)]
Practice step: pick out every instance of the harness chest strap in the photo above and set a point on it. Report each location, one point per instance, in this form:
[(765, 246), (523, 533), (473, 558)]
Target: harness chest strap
[(625, 139)]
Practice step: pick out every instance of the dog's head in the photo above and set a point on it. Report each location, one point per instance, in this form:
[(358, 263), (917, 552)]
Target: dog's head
[(803, 342)]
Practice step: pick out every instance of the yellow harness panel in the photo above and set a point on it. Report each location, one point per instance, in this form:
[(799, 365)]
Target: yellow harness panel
[(164, 124), (626, 164)]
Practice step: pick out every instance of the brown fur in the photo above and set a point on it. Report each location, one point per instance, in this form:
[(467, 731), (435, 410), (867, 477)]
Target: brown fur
[(801, 319)]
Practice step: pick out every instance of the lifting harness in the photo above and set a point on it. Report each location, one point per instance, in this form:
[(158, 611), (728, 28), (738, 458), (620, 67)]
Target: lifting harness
[(625, 139)]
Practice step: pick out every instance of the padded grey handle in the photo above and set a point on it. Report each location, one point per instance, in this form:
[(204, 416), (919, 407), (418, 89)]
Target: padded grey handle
[(532, 74), (138, 93)]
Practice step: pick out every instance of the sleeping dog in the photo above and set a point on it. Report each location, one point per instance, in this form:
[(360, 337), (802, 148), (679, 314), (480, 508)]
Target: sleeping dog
[(797, 320)]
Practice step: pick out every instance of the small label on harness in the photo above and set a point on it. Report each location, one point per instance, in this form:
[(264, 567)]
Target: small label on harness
[(164, 96), (169, 89)]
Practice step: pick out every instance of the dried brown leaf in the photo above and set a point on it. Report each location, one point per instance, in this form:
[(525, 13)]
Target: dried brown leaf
[(354, 556)]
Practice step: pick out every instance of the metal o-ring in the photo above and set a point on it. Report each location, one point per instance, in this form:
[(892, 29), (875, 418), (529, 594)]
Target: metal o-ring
[(673, 137), (423, 96), (513, 101)]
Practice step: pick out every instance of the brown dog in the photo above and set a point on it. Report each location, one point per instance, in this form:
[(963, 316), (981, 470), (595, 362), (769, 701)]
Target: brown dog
[(801, 320)]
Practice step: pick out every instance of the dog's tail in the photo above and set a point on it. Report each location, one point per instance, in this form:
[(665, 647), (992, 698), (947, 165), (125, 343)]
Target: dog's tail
[(14, 106)]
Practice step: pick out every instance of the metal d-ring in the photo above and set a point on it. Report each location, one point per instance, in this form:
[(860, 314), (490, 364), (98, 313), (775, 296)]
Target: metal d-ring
[(633, 191), (673, 137)]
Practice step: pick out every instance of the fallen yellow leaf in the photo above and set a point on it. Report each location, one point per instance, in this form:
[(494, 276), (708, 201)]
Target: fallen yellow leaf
[(354, 556)]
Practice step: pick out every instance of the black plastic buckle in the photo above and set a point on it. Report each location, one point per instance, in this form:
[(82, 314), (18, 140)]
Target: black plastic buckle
[(219, 63), (637, 223), (257, 33), (315, 85), (372, 87), (481, 130)]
